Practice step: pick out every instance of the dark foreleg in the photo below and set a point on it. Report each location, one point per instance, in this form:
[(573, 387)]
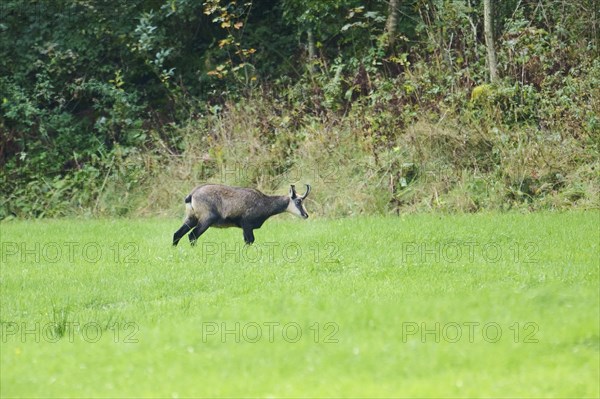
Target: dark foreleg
[(189, 224), (248, 235)]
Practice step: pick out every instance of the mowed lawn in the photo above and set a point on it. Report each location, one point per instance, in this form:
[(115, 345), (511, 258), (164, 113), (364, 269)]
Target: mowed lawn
[(494, 305)]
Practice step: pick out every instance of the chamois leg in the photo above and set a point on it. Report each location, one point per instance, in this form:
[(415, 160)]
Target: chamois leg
[(248, 235), (187, 226), (197, 232)]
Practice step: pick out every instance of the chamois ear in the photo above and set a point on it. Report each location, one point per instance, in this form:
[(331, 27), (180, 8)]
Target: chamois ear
[(307, 191), (293, 192)]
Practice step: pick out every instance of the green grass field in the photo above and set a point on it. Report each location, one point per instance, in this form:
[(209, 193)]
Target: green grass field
[(428, 305)]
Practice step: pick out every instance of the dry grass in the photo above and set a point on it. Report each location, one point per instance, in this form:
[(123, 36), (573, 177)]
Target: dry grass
[(450, 165)]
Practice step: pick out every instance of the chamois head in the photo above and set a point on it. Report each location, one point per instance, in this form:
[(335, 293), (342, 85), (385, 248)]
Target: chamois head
[(296, 206)]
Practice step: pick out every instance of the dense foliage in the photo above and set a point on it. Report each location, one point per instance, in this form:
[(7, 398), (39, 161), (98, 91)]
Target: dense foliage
[(105, 105)]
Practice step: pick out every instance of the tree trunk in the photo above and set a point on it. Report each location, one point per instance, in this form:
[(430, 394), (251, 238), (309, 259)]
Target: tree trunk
[(391, 24), (488, 31), (312, 53)]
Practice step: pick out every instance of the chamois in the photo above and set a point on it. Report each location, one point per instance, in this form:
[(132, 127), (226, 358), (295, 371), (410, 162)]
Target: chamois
[(224, 206)]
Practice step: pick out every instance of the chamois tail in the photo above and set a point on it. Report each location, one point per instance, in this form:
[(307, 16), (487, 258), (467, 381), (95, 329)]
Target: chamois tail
[(188, 204)]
